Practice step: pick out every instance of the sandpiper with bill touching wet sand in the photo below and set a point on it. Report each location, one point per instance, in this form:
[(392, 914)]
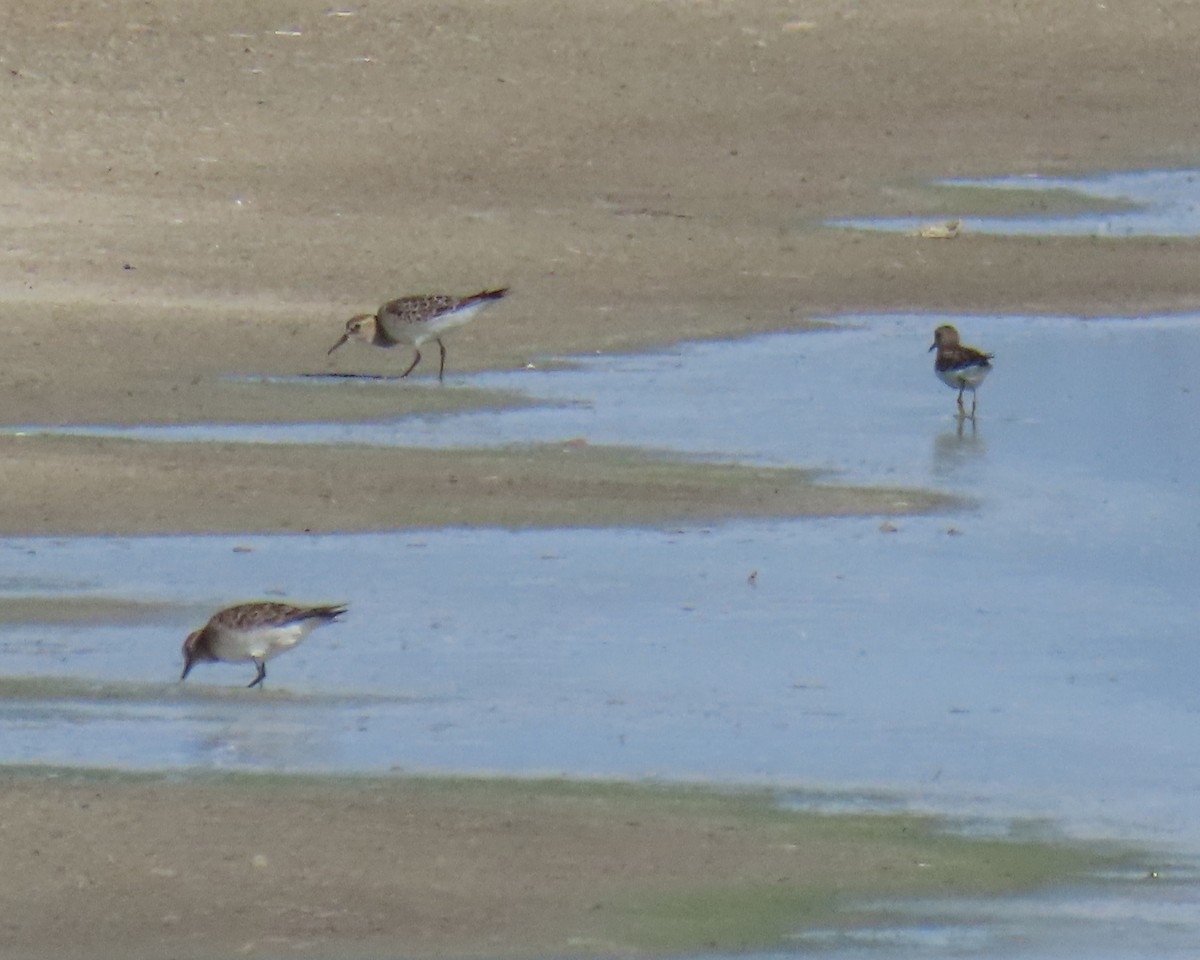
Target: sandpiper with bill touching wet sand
[(416, 319)]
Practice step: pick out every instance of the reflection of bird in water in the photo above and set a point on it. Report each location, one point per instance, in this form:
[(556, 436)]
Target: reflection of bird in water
[(413, 320), (254, 631), (958, 450), (959, 366)]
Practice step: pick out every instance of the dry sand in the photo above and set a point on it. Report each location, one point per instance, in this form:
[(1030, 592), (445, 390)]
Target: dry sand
[(193, 190)]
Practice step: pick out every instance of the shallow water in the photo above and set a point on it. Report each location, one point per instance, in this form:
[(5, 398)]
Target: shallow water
[(1167, 204), (1034, 655), (1139, 918)]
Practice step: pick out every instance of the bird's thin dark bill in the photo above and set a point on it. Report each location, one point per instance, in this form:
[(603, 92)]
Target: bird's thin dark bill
[(345, 337)]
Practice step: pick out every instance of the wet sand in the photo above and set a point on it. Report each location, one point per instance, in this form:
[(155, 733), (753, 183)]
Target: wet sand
[(139, 866), (94, 486), (193, 193)]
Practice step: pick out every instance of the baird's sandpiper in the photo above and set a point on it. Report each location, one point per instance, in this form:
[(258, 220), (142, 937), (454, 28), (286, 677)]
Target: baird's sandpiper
[(413, 320)]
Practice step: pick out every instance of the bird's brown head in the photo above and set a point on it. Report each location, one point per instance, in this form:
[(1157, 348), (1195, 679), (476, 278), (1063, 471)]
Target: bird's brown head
[(195, 650), (944, 336), (360, 327)]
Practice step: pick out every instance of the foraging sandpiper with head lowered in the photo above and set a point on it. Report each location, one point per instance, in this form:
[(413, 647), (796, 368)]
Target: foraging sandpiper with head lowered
[(254, 631), (413, 320), (959, 367)]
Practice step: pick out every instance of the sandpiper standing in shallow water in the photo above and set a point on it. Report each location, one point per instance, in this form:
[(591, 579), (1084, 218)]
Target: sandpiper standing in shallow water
[(413, 320), (959, 366), (254, 631)]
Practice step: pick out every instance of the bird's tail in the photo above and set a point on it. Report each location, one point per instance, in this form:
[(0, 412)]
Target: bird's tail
[(327, 613)]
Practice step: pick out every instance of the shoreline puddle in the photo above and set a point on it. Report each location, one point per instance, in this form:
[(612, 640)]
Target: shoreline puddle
[(1077, 523), (1166, 203)]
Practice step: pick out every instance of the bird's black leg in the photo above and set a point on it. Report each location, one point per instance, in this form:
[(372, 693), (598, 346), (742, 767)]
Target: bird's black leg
[(262, 673), (412, 366), (442, 366)]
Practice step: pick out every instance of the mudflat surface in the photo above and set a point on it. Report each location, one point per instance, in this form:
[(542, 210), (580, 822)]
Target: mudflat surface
[(276, 867), (109, 486)]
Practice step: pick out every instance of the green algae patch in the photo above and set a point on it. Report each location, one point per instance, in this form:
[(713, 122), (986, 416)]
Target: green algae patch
[(76, 609), (980, 200), (721, 920), (841, 863), (47, 689)]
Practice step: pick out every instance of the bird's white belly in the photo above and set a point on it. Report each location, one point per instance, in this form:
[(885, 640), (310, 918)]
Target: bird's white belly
[(969, 377), (417, 333), (262, 644)]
